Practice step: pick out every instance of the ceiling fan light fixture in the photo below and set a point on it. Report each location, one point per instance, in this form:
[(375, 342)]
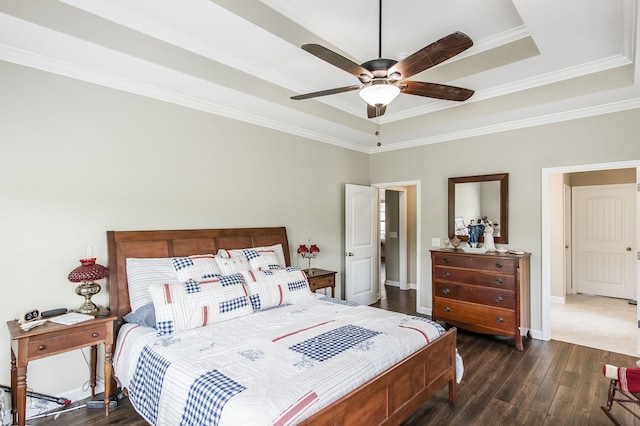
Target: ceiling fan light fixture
[(379, 94)]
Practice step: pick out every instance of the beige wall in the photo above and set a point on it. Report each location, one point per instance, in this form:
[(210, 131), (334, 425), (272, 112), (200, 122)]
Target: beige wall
[(79, 159), (521, 153)]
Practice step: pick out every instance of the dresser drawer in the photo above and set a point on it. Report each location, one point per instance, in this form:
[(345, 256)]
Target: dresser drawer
[(64, 340), (476, 294), (467, 276), (491, 263), (495, 318)]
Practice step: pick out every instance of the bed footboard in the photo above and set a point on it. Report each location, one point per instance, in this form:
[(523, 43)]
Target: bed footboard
[(394, 395)]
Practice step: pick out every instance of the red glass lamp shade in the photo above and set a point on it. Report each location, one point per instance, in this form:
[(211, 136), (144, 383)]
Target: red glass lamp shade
[(308, 252), (86, 273)]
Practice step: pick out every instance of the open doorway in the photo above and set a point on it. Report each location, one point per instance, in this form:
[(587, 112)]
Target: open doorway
[(569, 312), (399, 236)]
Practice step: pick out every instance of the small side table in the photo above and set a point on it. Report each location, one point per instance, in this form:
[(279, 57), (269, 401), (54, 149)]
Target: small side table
[(320, 278), (51, 339)]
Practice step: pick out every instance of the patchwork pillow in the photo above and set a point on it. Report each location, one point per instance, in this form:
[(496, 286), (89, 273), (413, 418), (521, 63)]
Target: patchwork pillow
[(265, 289), (261, 260), (275, 249), (194, 304), (198, 267), (274, 287), (232, 265), (297, 283), (142, 272)]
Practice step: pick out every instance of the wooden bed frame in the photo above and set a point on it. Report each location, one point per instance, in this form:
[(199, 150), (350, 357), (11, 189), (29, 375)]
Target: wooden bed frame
[(387, 399)]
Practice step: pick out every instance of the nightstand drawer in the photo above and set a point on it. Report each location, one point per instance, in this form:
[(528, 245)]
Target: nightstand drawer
[(321, 282), (53, 343)]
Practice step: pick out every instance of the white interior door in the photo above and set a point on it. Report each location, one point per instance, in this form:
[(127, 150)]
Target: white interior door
[(604, 239), (361, 244)]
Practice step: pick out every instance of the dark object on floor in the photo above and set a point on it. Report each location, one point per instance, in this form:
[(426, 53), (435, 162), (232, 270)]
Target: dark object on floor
[(633, 302), (61, 401)]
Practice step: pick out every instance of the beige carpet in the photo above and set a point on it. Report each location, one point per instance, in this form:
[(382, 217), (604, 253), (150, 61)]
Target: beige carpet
[(597, 322)]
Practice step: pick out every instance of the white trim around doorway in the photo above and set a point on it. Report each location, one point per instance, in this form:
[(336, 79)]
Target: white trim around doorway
[(546, 240)]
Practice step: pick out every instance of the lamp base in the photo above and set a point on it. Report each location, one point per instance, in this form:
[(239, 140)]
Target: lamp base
[(88, 289)]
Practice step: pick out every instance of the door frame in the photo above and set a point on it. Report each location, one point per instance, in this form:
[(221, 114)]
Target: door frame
[(399, 186), (546, 237)]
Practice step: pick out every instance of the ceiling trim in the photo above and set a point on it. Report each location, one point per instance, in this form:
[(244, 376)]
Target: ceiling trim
[(518, 124)]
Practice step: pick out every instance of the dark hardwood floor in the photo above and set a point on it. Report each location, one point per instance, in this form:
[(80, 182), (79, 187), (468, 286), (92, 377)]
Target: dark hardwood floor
[(549, 383)]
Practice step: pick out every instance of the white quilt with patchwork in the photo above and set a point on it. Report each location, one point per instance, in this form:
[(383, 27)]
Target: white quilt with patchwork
[(274, 367)]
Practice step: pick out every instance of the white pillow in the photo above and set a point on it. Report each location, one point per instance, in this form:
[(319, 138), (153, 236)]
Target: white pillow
[(265, 290), (275, 249), (142, 272), (233, 265), (291, 280), (197, 267), (193, 304), (296, 282), (261, 260)]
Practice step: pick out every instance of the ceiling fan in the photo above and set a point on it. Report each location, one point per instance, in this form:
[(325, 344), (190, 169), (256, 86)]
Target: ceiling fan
[(383, 79)]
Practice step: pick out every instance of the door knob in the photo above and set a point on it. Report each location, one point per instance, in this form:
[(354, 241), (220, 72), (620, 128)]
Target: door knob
[(349, 254), (628, 249)]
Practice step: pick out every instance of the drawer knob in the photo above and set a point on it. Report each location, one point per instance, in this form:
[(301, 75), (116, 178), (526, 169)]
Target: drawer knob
[(94, 334), (445, 260), (446, 274), (498, 280), (498, 265), (446, 290), (500, 319), (42, 347), (447, 309), (499, 299)]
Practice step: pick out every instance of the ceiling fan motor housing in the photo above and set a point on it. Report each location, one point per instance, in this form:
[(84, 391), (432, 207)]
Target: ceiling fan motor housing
[(378, 67)]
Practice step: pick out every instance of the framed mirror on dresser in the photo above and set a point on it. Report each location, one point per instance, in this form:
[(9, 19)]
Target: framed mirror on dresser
[(473, 198)]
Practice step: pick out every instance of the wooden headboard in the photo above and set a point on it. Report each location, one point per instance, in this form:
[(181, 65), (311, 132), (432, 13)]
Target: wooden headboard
[(176, 243)]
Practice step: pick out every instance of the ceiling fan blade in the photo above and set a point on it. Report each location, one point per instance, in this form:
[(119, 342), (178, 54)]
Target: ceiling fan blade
[(433, 54), (326, 92), (434, 90), (376, 111), (337, 60)]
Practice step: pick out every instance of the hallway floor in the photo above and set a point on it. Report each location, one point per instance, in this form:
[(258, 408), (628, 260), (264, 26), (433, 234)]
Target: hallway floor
[(597, 322)]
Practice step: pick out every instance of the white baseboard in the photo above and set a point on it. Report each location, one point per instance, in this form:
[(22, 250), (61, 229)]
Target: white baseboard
[(392, 283), (424, 311), (558, 299)]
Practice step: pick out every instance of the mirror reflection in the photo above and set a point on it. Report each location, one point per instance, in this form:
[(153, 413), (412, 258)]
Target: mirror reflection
[(477, 203), (479, 200)]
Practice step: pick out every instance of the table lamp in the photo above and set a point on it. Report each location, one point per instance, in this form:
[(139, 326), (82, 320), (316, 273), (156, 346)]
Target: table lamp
[(87, 273)]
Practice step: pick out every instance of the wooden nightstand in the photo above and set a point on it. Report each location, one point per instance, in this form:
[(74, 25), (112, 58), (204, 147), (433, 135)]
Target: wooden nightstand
[(51, 339), (319, 278)]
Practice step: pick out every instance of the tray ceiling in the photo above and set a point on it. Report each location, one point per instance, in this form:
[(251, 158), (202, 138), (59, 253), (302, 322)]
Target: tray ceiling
[(531, 63)]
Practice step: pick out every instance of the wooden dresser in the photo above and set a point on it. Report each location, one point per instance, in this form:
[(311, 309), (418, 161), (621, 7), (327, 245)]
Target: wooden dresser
[(484, 293)]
